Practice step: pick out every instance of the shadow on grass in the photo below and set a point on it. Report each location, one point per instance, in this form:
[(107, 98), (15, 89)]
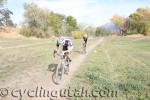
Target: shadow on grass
[(52, 67)]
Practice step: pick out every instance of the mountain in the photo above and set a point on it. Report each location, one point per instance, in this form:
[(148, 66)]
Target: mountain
[(110, 27)]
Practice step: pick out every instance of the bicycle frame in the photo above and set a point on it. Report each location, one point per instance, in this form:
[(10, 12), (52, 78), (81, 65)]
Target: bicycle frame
[(84, 47), (61, 68)]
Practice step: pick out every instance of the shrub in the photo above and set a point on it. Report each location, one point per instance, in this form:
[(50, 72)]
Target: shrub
[(77, 34), (40, 22), (25, 31), (100, 31), (148, 31), (39, 33)]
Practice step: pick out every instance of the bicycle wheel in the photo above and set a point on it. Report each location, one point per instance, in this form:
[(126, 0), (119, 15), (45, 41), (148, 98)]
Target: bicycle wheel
[(66, 69), (57, 77), (84, 48)]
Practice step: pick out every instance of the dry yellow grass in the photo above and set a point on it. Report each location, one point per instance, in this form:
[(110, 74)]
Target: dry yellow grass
[(9, 32)]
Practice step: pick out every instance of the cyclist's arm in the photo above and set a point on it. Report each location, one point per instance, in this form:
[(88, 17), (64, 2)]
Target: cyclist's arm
[(70, 47), (57, 45)]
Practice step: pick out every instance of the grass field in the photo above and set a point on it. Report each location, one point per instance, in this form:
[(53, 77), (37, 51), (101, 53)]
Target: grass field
[(119, 64), (17, 55)]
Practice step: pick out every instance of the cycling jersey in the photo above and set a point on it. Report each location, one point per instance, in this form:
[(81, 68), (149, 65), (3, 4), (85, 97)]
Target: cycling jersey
[(85, 38), (65, 42)]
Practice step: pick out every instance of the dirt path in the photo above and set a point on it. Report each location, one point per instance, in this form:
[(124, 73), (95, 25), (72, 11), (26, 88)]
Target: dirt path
[(37, 82)]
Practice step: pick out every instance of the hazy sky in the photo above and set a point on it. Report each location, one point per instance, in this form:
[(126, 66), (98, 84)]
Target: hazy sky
[(93, 12)]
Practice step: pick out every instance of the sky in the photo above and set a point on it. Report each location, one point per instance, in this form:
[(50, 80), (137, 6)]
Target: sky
[(90, 12)]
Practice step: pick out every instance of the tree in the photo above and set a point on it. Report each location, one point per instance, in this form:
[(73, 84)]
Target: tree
[(55, 21), (100, 31), (2, 2), (119, 22), (90, 30), (35, 21), (136, 16), (5, 19), (145, 12), (5, 15), (71, 23), (41, 22), (140, 21)]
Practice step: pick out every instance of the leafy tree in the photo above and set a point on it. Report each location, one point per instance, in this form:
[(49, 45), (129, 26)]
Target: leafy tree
[(5, 19), (119, 22), (55, 21), (145, 12), (41, 22), (5, 14), (90, 30), (136, 16), (2, 2), (71, 23), (140, 21), (35, 21), (100, 31)]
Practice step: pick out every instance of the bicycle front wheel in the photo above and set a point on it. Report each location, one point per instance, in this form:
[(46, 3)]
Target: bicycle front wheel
[(58, 73)]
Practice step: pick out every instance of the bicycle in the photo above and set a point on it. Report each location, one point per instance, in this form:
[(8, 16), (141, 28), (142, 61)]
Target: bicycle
[(84, 47), (62, 68)]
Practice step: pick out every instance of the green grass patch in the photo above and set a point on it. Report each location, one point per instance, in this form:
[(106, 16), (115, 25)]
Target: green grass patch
[(119, 64), (17, 55)]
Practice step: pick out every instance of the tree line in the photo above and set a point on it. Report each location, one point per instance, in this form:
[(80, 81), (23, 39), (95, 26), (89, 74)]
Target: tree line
[(43, 23), (136, 23)]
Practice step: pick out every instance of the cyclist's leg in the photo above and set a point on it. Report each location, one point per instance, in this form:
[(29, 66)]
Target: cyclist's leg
[(85, 42), (66, 54), (68, 60), (84, 45)]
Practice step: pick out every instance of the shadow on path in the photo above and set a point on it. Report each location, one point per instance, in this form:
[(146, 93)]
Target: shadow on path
[(52, 67)]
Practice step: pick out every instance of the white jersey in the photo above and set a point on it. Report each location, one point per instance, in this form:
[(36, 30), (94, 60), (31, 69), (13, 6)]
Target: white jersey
[(61, 41)]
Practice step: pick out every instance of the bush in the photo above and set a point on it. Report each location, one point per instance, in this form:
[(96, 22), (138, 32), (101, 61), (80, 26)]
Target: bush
[(39, 33), (131, 32), (40, 22), (148, 33), (77, 34), (100, 31), (25, 31)]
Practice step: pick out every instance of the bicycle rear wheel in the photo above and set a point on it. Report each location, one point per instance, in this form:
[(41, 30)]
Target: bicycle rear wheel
[(84, 48)]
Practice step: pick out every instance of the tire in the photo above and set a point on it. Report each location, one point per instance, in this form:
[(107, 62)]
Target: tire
[(57, 76), (66, 69), (84, 48)]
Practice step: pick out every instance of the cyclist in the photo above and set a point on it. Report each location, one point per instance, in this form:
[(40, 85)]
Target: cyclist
[(85, 38), (66, 44)]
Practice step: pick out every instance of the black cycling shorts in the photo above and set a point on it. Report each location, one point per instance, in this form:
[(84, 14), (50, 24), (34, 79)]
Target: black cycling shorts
[(85, 39)]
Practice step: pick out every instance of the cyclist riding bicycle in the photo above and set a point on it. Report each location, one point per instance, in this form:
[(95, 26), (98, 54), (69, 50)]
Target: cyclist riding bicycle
[(85, 38), (66, 46)]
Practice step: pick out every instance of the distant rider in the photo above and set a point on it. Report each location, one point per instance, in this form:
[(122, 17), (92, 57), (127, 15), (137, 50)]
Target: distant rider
[(85, 39)]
